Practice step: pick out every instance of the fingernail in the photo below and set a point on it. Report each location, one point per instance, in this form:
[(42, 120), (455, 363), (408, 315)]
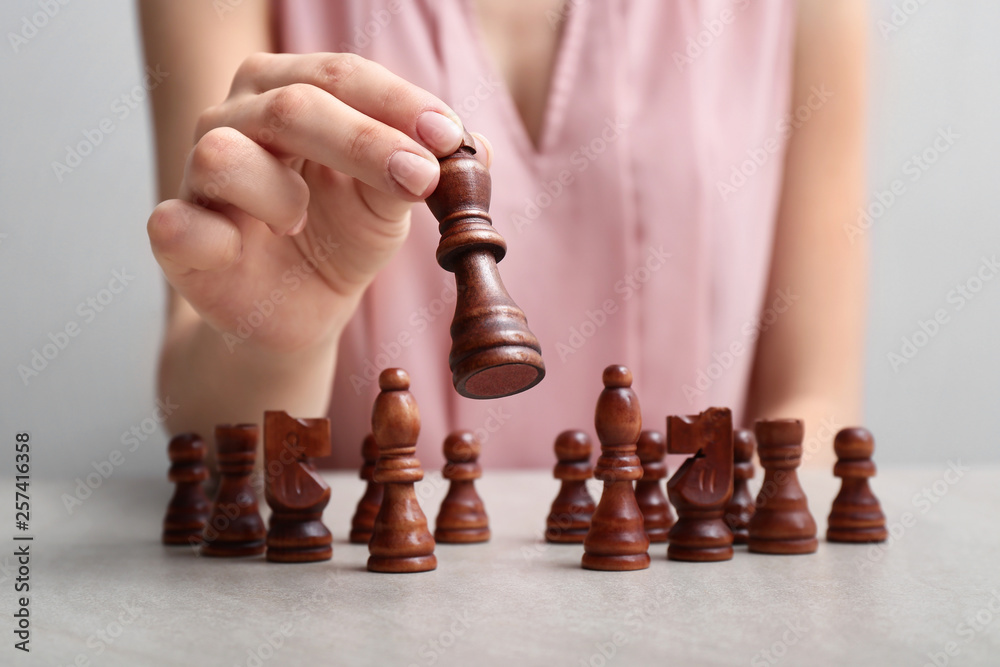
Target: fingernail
[(438, 132), (412, 172), (299, 226)]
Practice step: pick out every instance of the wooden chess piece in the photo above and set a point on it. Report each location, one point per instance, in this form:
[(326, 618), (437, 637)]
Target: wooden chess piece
[(741, 507), (235, 527), (616, 540), (781, 523), (189, 507), (294, 491), (702, 486), (400, 539), (657, 515), (462, 518), (493, 352), (856, 515), (573, 507), (364, 516)]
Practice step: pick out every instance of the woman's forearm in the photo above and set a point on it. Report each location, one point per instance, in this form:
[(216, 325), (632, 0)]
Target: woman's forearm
[(213, 380)]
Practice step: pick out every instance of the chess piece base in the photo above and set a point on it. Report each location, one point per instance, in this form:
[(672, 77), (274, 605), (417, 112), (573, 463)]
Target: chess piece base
[(700, 554), (498, 372), (857, 535), (460, 536), (616, 563), (790, 547), (360, 536), (402, 565), (233, 549), (566, 536), (174, 538)]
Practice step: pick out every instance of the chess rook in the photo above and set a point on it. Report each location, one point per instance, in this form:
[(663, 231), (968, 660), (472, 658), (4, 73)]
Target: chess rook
[(657, 515), (856, 515), (294, 491), (741, 506), (617, 540), (781, 523), (364, 515), (189, 508), (702, 486), (493, 352), (573, 507), (462, 518), (400, 540), (235, 527)]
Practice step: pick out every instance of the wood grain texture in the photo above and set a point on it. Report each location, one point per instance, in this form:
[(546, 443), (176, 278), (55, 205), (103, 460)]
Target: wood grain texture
[(493, 351), (702, 486)]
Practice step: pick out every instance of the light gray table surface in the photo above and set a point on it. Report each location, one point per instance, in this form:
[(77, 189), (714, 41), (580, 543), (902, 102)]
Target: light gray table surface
[(104, 591)]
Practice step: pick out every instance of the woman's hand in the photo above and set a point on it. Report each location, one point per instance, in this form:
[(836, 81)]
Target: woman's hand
[(297, 191)]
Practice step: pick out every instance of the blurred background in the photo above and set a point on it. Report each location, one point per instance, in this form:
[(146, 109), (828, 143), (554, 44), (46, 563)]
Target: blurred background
[(82, 298)]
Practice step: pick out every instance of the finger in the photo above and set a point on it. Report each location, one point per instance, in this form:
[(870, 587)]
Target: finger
[(363, 85), (186, 237), (227, 168), (484, 149), (301, 120)]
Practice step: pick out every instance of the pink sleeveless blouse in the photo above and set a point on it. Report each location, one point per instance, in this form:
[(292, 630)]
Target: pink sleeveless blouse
[(639, 230)]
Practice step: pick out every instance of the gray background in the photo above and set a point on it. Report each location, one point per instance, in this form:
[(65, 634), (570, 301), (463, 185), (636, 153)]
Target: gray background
[(62, 240)]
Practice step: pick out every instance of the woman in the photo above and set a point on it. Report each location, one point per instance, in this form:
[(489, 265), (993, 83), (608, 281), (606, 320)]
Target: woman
[(672, 179)]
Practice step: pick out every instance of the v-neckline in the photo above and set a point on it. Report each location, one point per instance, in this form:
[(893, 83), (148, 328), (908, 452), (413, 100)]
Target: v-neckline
[(564, 70)]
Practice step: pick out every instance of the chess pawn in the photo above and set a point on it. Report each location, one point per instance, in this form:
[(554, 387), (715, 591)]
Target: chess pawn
[(569, 517), (462, 518), (617, 540), (369, 504), (493, 352), (189, 507), (856, 515), (741, 507), (235, 527), (295, 492), (702, 486), (781, 523), (400, 539), (657, 515)]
